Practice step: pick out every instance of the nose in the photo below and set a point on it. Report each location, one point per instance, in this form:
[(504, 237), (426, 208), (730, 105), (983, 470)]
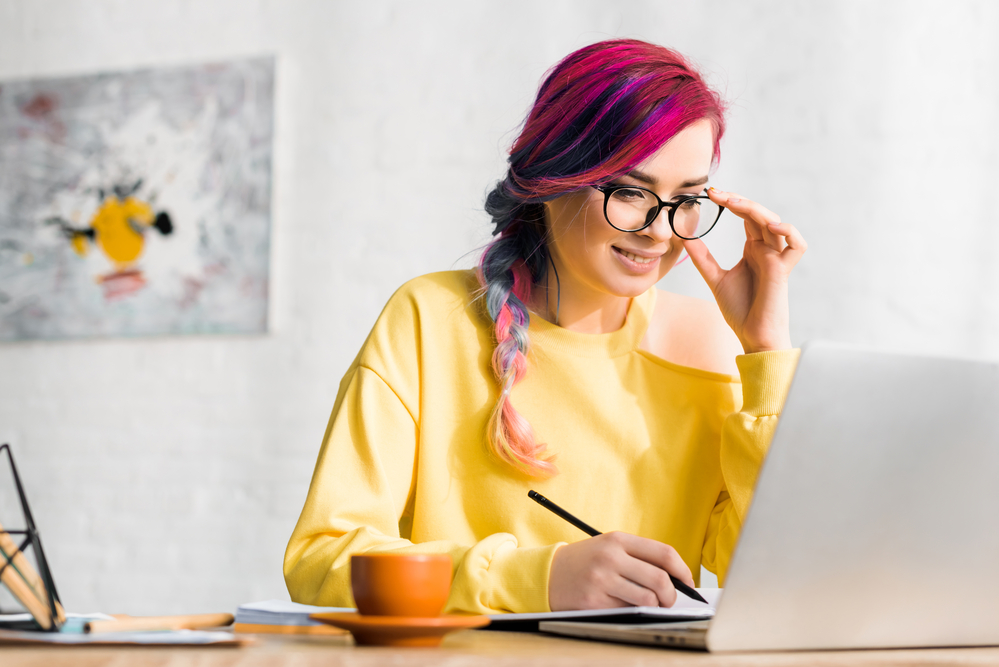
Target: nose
[(659, 231)]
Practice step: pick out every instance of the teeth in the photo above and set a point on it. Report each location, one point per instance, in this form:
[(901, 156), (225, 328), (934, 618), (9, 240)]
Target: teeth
[(636, 258)]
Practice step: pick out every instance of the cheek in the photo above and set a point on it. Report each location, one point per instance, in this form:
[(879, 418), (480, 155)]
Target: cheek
[(581, 230), (672, 257)]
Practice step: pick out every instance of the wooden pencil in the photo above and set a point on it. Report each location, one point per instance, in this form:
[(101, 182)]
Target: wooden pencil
[(152, 623), (23, 581)]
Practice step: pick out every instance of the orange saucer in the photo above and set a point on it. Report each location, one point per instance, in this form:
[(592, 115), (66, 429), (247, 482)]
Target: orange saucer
[(399, 630)]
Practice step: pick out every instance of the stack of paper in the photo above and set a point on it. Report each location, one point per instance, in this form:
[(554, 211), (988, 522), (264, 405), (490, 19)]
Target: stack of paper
[(283, 617)]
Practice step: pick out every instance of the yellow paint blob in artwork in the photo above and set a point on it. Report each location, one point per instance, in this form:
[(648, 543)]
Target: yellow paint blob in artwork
[(79, 242), (119, 226)]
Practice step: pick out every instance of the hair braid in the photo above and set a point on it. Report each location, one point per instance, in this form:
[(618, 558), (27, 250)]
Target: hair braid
[(510, 266)]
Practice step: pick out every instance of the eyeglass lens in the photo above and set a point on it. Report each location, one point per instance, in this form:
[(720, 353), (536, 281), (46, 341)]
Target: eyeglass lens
[(631, 209)]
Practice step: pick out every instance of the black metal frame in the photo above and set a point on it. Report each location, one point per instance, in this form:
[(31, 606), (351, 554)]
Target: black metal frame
[(671, 206), (31, 539)]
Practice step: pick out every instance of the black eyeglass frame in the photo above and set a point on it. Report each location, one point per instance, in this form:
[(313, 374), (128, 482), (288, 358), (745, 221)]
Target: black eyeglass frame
[(671, 206)]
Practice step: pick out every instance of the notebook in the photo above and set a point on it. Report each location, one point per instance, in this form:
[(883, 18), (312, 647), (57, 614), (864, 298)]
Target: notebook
[(684, 609), (284, 617)]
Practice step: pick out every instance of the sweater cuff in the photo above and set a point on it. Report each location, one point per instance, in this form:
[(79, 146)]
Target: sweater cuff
[(524, 573), (766, 377)]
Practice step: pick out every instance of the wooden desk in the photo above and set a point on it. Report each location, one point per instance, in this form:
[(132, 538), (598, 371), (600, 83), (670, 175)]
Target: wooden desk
[(472, 648)]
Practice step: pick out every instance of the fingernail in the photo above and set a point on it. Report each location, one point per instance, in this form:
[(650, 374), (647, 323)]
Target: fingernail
[(712, 188)]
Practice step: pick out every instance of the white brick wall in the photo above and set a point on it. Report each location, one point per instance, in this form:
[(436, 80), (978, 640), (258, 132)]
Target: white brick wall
[(166, 474)]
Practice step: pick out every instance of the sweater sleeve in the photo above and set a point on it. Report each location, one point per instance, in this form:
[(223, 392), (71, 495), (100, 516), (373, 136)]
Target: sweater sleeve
[(745, 438), (363, 491)]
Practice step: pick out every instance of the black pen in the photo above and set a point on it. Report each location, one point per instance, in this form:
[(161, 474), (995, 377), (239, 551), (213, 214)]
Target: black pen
[(593, 532)]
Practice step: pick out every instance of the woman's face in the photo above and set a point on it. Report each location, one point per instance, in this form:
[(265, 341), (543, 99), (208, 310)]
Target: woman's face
[(593, 257)]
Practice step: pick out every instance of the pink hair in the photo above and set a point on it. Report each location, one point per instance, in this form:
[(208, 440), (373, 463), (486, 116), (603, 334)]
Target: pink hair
[(510, 434)]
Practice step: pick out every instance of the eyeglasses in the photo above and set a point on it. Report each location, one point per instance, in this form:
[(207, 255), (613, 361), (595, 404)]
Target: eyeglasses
[(629, 208)]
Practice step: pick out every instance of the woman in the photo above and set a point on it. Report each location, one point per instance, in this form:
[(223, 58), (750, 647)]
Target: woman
[(558, 366)]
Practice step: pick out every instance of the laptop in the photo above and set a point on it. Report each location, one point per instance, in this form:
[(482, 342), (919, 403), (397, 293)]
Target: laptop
[(875, 520)]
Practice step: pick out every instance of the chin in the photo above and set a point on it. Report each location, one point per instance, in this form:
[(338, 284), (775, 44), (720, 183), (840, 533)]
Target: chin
[(631, 286), (624, 284)]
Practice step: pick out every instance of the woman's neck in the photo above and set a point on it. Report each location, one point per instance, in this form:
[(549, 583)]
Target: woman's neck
[(578, 308)]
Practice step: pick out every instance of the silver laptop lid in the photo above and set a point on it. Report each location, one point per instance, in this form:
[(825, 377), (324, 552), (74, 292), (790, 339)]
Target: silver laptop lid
[(875, 521)]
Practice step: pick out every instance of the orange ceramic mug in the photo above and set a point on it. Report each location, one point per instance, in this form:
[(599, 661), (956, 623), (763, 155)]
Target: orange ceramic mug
[(400, 584)]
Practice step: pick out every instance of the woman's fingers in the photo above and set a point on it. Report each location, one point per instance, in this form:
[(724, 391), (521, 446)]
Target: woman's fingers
[(761, 223), (746, 209), (704, 262), (614, 569), (795, 241), (658, 554), (645, 575), (644, 585), (757, 218), (772, 239)]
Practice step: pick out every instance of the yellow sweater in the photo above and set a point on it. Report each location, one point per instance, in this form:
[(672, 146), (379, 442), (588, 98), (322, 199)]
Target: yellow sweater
[(643, 445)]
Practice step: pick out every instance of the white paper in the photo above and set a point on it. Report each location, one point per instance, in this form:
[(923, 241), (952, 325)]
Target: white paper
[(289, 607), (684, 608)]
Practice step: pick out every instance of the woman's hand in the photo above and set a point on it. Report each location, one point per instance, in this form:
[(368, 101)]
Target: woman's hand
[(752, 295), (615, 570)]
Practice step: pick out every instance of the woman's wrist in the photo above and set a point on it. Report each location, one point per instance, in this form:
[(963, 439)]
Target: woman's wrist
[(766, 345), (766, 377)]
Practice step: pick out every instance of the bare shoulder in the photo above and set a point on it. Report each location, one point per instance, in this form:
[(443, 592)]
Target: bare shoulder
[(691, 332)]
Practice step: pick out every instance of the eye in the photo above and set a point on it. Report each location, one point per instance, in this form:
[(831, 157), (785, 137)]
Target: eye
[(630, 195), (686, 201)]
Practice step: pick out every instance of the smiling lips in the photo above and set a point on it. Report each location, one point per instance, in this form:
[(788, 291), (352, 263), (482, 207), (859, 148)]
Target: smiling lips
[(638, 259)]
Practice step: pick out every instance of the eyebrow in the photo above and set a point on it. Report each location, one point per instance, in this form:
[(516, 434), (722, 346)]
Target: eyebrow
[(651, 180)]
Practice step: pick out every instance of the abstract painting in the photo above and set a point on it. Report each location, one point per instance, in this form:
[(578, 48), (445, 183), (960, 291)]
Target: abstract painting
[(136, 203)]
